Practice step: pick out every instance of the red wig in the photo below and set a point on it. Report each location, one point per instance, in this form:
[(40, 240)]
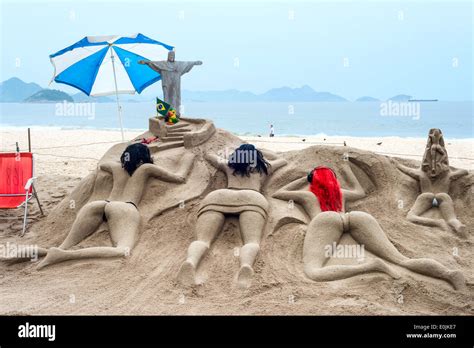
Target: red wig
[(326, 188)]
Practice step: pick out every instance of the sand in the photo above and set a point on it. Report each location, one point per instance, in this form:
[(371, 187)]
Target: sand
[(145, 283), (460, 151), (75, 152)]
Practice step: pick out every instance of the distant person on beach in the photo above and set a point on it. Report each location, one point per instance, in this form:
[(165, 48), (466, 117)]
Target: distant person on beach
[(272, 131), (246, 171), (120, 210), (325, 203)]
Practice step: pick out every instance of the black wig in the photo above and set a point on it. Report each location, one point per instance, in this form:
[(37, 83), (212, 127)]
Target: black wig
[(134, 156), (247, 159), (310, 174)]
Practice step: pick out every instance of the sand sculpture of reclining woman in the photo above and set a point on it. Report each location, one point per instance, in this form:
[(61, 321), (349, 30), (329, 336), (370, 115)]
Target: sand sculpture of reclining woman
[(325, 203), (435, 178), (120, 210), (246, 172)]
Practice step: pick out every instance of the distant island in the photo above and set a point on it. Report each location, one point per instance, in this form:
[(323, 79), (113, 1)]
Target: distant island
[(367, 99), (401, 98), (282, 94), (84, 98), (14, 90), (49, 96)]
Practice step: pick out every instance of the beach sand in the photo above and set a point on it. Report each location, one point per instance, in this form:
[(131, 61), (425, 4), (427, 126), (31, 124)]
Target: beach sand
[(76, 152), (145, 283), (460, 151)]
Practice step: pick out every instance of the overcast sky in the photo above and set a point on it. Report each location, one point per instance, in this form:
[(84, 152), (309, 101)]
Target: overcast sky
[(374, 48)]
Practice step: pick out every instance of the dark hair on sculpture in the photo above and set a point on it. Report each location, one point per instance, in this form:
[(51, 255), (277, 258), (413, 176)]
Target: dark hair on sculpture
[(310, 174), (134, 156), (247, 159)]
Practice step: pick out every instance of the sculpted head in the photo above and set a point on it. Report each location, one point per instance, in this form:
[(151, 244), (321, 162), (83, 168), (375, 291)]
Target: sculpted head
[(435, 159), (171, 56), (134, 156), (325, 186), (435, 136), (247, 159)]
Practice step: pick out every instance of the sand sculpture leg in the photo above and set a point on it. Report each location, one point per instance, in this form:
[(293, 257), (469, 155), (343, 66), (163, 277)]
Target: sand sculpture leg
[(89, 218), (208, 226), (251, 228), (366, 231), (325, 229), (423, 203), (87, 221), (26, 253), (446, 206), (123, 220)]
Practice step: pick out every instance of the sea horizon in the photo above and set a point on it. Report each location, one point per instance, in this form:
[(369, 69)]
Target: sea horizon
[(350, 119)]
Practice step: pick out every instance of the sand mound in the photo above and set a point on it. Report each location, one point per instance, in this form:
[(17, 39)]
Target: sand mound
[(145, 282)]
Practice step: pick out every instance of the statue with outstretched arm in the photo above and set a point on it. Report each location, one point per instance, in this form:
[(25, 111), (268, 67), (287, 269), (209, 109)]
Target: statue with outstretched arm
[(171, 72)]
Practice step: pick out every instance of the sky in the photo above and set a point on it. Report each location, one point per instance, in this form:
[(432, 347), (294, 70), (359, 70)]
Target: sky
[(350, 48)]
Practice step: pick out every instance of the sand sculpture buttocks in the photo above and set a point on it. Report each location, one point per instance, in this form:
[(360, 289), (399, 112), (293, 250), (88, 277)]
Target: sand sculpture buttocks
[(324, 201), (246, 170), (120, 210), (115, 202), (435, 178), (272, 237)]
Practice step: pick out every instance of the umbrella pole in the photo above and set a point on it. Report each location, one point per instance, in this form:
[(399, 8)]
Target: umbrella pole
[(119, 108)]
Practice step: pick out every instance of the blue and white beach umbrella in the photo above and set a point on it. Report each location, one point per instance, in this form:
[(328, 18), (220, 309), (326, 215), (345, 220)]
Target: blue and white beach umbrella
[(107, 65)]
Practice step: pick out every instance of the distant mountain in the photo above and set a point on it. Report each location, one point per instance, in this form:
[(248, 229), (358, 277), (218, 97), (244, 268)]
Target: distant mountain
[(15, 90), (401, 98), (367, 99), (83, 98), (49, 96), (230, 95), (303, 94), (282, 94)]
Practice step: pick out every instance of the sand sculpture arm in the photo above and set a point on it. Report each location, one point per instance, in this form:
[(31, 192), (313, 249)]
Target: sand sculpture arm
[(108, 167), (272, 158), (458, 174), (292, 191), (216, 161), (355, 191), (185, 67), (180, 176), (187, 164), (158, 66), (414, 173), (270, 155), (277, 164)]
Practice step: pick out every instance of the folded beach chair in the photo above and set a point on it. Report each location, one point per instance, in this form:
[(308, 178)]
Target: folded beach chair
[(17, 182)]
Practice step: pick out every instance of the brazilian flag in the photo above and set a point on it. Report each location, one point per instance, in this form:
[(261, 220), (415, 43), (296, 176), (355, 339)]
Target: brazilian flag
[(162, 107)]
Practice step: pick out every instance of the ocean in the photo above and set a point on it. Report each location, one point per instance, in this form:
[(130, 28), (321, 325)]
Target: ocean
[(364, 119)]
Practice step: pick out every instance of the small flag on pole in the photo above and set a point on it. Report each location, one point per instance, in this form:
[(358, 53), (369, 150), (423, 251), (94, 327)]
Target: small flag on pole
[(167, 111), (162, 107)]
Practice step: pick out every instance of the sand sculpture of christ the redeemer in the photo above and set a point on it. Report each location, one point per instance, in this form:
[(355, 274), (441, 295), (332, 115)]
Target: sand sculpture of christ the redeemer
[(171, 72)]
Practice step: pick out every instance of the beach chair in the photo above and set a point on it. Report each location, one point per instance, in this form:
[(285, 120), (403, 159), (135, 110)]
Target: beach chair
[(17, 182)]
